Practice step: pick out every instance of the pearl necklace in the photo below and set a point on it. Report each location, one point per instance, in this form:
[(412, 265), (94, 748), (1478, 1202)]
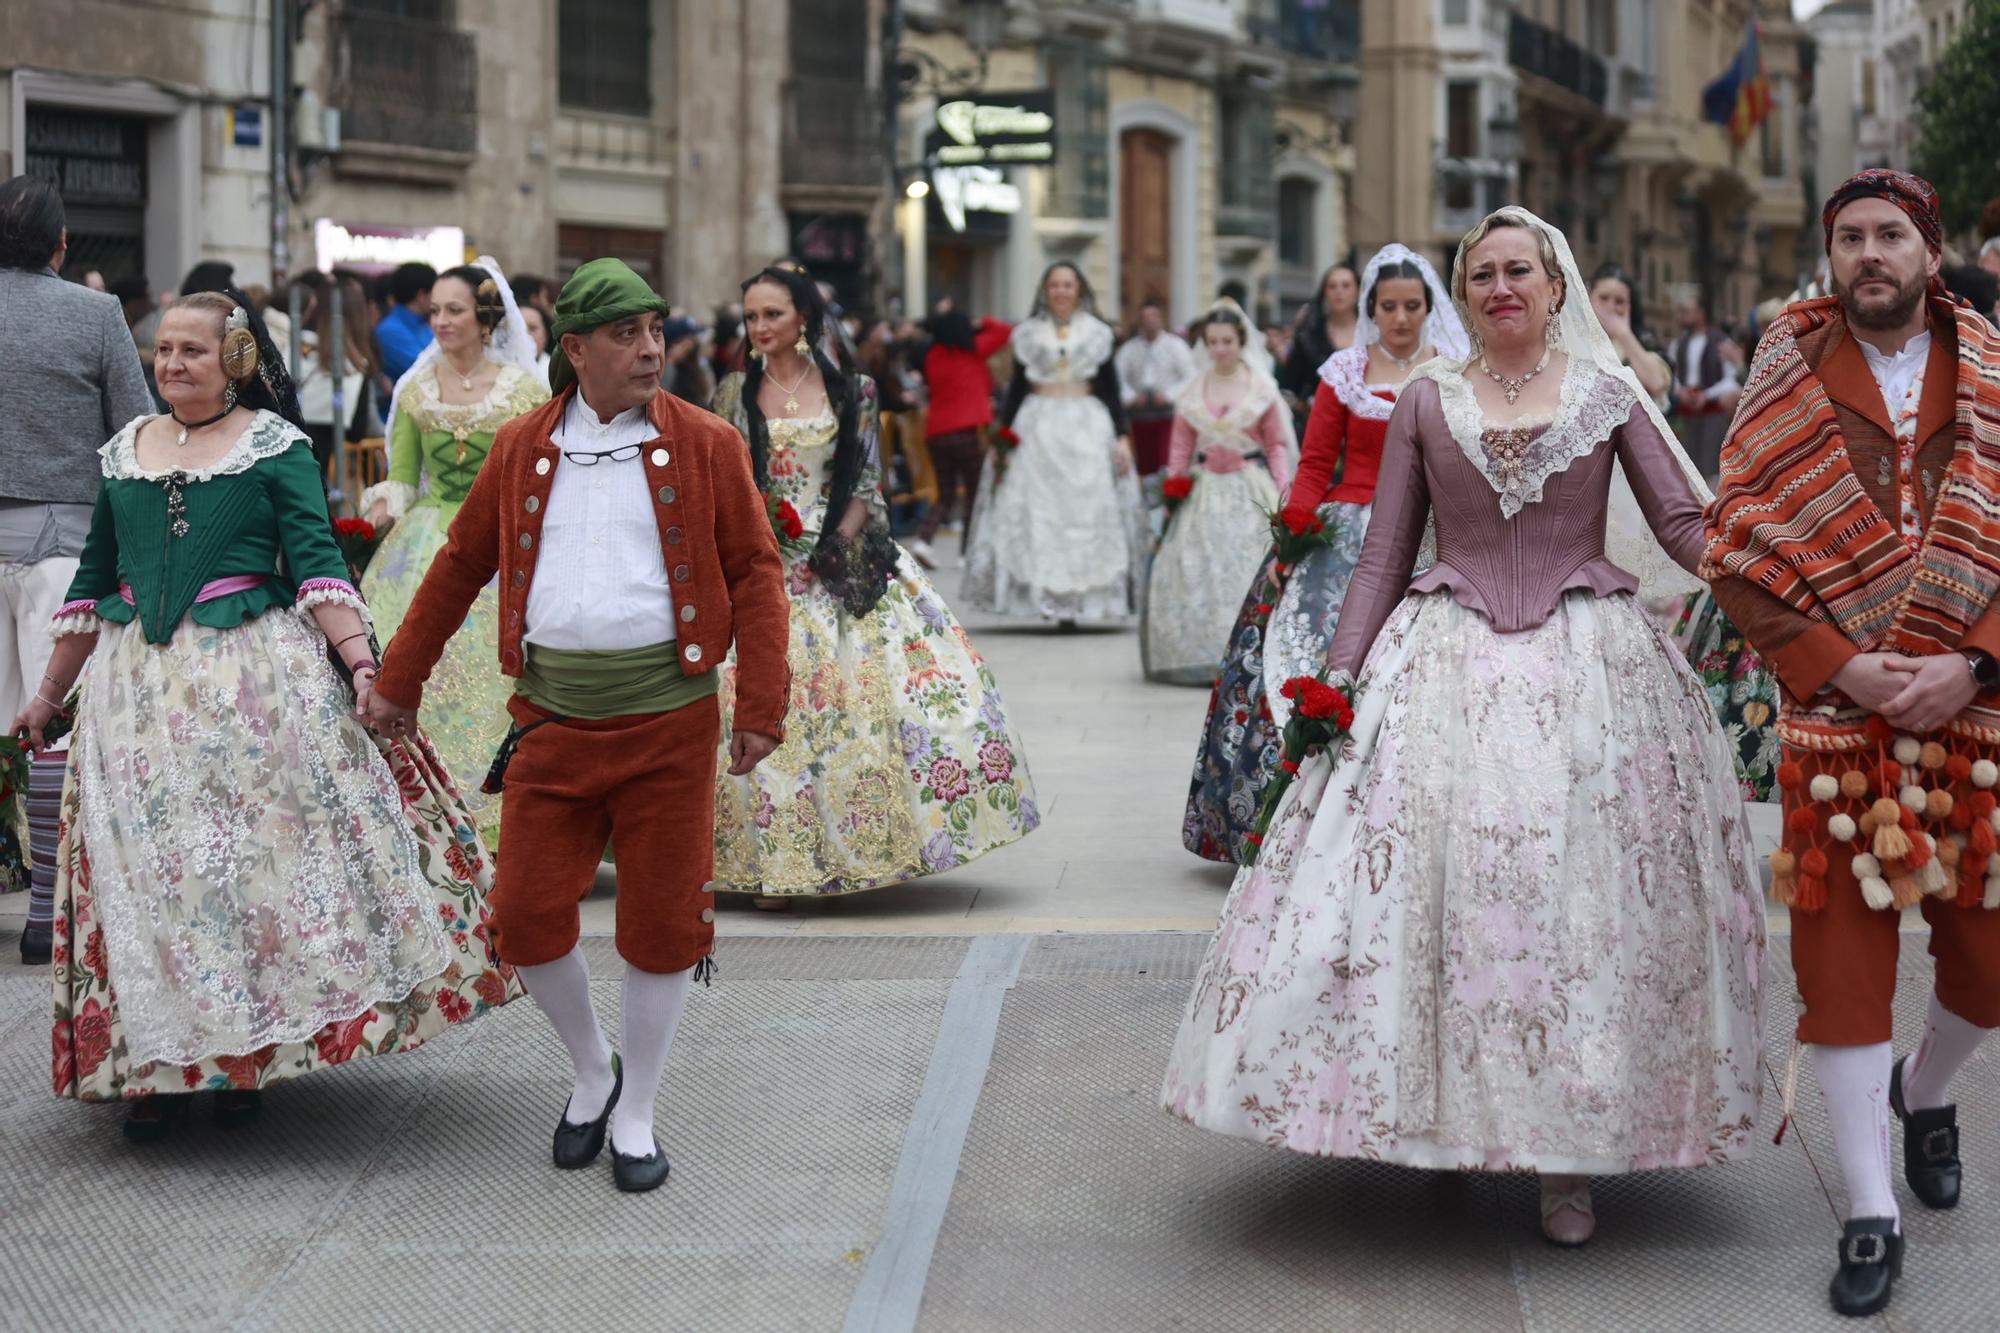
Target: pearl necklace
[(1510, 385), (1402, 363)]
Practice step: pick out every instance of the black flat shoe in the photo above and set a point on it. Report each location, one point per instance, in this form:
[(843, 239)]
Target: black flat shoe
[(1871, 1259), (636, 1175), (1930, 1147), (37, 945), (151, 1118), (237, 1107), (578, 1145)]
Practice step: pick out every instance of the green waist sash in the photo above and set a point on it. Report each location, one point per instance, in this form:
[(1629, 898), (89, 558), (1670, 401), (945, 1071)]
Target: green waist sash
[(611, 683)]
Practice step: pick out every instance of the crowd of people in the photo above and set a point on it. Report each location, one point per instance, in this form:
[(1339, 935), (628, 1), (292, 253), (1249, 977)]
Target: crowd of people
[(1504, 606)]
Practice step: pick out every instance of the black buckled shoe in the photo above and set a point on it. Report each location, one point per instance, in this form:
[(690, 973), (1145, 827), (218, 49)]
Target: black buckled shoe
[(577, 1146), (636, 1175), (1871, 1259), (37, 945), (1930, 1147)]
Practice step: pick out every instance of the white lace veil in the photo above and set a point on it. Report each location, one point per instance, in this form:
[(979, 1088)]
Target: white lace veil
[(1256, 359), (1444, 331), (1628, 539), (510, 345)]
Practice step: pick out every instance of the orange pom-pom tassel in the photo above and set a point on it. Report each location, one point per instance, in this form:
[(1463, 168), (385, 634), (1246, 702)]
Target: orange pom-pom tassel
[(1908, 892), (1958, 768), (1920, 853), (1801, 821), (1891, 843), (1908, 819), (1810, 896), (1813, 862), (1791, 776), (1866, 825), (1980, 840), (1888, 812), (1877, 729), (1785, 890), (1889, 776), (1947, 852), (1854, 784), (1931, 756), (1938, 804), (1982, 803), (1961, 818)]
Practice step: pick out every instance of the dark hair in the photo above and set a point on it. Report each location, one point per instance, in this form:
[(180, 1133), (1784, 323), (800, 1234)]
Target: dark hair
[(31, 223), (1086, 299), (412, 280), (1973, 285), (487, 304), (210, 275), (1228, 317), (952, 328), (1402, 268), (1613, 270), (528, 288), (132, 287)]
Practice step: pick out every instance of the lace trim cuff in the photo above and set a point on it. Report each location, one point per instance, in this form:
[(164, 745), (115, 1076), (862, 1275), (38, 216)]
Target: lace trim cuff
[(397, 495), (78, 617), (333, 592)]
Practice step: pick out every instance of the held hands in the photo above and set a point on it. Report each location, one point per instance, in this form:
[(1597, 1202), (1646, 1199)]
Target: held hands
[(1934, 691), (747, 749), (378, 515), (383, 717), (31, 722)]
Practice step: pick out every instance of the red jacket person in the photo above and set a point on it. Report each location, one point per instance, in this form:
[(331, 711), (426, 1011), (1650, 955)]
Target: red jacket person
[(1856, 542), (631, 547)]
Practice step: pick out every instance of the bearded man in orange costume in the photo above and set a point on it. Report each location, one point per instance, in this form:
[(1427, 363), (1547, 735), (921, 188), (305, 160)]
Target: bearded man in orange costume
[(1855, 540)]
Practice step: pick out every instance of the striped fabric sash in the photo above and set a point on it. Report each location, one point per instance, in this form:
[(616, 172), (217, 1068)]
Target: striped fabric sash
[(212, 589)]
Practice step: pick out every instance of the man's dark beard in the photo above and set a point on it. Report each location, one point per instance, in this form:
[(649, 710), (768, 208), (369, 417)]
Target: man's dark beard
[(1893, 316)]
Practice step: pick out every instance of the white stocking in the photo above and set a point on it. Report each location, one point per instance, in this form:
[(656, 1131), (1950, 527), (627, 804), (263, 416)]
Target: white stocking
[(1949, 1042), (1855, 1080), (649, 1012), (562, 991)]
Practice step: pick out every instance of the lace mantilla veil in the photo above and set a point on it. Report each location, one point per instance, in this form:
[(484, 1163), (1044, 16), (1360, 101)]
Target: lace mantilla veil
[(1628, 539), (510, 345), (1256, 358), (1444, 331)]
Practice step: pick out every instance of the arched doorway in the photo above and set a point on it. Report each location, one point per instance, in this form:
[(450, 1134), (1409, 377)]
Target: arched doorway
[(1145, 220)]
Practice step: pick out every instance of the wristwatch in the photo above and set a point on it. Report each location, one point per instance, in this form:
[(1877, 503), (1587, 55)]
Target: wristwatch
[(1985, 669)]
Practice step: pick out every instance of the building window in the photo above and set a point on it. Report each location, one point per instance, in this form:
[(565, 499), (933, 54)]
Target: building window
[(415, 11), (1771, 140), (1461, 118), (606, 56), (1080, 183), (1867, 87), (832, 121), (1457, 13), (1243, 159), (1298, 201), (408, 77)]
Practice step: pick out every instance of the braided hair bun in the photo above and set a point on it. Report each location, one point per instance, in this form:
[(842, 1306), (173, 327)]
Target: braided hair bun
[(488, 306)]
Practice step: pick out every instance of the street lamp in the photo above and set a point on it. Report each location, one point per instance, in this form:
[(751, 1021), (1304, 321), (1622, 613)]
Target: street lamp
[(917, 71), (917, 189)]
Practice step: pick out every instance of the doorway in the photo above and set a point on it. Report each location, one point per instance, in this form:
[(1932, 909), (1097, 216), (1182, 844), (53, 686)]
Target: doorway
[(1145, 221)]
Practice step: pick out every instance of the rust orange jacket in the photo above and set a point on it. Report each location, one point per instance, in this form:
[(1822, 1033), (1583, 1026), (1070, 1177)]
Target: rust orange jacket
[(714, 532)]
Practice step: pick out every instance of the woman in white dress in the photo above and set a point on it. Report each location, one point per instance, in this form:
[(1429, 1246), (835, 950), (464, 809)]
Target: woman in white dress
[(1508, 924), (1232, 440), (1059, 530)]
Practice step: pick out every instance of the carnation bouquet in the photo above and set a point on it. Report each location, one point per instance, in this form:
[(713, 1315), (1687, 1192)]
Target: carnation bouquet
[(1293, 538), (1173, 491), (785, 524), (1322, 717), (358, 540)]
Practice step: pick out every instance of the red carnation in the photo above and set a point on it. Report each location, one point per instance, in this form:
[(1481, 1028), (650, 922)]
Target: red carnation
[(1299, 521), (1007, 434), (788, 520), (1318, 699), (355, 527), (1177, 488)]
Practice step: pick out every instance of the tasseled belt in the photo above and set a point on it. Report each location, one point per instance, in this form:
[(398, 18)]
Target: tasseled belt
[(1913, 817)]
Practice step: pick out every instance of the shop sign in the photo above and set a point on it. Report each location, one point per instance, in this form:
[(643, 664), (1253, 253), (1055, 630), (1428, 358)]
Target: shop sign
[(997, 129), (347, 245), (962, 190), (89, 158)]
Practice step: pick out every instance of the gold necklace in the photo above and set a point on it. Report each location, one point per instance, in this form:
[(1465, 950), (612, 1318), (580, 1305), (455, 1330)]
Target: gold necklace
[(465, 380), (791, 392), (1509, 385)]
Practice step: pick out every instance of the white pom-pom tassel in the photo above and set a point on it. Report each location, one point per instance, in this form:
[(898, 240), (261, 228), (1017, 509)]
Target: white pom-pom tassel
[(1985, 773), (1867, 867), (1908, 749), (1912, 797), (1932, 879), (1992, 899), (1876, 893), (1994, 820), (1841, 827), (1824, 787)]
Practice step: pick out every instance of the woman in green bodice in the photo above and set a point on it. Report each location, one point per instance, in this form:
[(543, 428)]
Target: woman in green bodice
[(476, 376)]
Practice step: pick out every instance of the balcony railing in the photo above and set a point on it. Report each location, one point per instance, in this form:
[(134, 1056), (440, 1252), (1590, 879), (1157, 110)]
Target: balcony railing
[(409, 83), (1546, 53), (832, 134), (1327, 30)]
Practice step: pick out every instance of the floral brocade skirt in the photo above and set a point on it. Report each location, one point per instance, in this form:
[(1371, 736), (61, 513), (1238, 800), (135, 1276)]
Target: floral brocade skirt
[(465, 700), (1510, 925), (1742, 690), (1240, 739), (250, 886), (898, 760), (1211, 548)]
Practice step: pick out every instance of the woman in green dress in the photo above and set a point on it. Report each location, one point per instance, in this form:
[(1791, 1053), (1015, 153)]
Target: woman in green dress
[(475, 377)]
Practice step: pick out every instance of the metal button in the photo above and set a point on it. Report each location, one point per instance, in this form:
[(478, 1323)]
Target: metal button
[(707, 915), (520, 578), (542, 466), (534, 503), (659, 458), (673, 536), (681, 573), (527, 541), (687, 613), (693, 652), (666, 495)]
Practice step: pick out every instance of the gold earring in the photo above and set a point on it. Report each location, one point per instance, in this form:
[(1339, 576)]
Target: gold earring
[(756, 355), (802, 347)]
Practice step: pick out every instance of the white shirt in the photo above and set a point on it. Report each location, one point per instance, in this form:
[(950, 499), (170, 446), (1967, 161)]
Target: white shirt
[(600, 581), (1161, 365), (1895, 372), (1692, 351)]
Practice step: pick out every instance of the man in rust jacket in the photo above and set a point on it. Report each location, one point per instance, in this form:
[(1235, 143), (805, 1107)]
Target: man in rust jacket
[(631, 547)]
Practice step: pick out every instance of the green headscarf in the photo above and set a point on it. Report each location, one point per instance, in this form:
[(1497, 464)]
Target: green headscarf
[(603, 291)]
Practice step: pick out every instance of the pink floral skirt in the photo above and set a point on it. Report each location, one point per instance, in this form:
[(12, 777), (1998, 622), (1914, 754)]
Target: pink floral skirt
[(1510, 926)]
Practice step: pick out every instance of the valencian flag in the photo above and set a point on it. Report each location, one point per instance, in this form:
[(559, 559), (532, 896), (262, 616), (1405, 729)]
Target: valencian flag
[(1741, 98)]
